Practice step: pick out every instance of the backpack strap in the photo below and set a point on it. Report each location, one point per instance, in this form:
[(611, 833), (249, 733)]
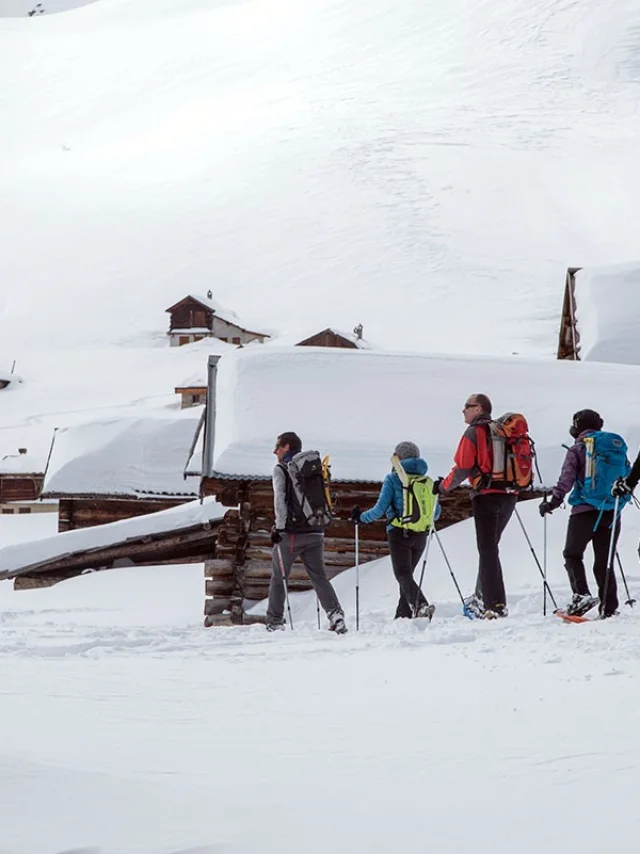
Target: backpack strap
[(404, 481), (288, 493)]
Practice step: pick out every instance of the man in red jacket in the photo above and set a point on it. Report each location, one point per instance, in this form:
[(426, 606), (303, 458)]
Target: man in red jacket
[(492, 507)]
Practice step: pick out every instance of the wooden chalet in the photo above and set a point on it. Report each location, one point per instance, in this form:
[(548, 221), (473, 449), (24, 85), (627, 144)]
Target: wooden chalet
[(334, 338), (196, 317), (237, 444), (21, 484), (118, 469), (569, 339)]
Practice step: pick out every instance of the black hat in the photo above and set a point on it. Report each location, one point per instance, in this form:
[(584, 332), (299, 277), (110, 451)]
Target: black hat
[(585, 419)]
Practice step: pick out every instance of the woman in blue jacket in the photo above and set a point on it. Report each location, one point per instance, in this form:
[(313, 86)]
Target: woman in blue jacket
[(405, 546)]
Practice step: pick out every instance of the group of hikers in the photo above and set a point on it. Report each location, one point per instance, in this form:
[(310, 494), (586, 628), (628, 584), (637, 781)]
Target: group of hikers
[(495, 457)]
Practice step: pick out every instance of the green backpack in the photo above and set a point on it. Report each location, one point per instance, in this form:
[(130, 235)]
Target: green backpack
[(418, 500)]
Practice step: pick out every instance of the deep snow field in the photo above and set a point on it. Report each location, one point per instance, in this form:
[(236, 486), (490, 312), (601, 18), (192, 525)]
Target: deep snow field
[(129, 729), (428, 169)]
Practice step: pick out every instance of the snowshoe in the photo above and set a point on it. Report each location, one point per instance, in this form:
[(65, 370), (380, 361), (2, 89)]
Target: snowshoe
[(337, 623), (473, 607), (425, 610), (276, 627), (580, 604), (496, 613)]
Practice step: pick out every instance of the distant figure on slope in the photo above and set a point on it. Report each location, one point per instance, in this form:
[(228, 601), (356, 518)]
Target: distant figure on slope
[(298, 531), (407, 536), (591, 520), (492, 506)]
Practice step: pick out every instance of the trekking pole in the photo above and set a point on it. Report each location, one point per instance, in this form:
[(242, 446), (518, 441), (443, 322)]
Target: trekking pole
[(544, 561), (630, 602), (424, 562), (535, 557), (446, 560), (284, 584), (610, 568), (318, 610), (357, 578)]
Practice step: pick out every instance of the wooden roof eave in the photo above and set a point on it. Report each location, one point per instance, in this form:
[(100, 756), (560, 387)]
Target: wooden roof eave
[(67, 560)]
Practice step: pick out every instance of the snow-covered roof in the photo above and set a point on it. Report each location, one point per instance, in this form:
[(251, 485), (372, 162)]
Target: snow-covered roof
[(355, 406), (607, 311), (291, 339), (223, 313), (16, 463), (196, 380), (137, 457), (48, 548)]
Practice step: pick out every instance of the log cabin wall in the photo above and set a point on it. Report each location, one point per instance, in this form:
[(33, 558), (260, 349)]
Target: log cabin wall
[(242, 566), (569, 339), (190, 314), (87, 512), (23, 487)]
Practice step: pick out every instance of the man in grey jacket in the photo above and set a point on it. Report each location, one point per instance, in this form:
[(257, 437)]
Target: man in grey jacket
[(293, 538)]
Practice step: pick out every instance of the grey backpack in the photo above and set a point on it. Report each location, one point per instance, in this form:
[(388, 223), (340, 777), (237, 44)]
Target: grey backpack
[(308, 490)]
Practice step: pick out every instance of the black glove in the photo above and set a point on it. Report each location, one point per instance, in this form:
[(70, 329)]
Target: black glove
[(276, 537), (547, 505), (356, 513), (620, 488), (436, 486)]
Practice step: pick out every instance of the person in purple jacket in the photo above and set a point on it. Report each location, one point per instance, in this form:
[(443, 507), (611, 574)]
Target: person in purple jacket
[(586, 525)]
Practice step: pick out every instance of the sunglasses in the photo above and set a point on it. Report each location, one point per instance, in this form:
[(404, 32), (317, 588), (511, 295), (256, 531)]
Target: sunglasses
[(470, 405)]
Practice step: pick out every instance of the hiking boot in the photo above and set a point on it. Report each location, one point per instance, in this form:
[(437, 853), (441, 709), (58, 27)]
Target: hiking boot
[(496, 613), (276, 626), (580, 604), (473, 607), (607, 614), (425, 610), (337, 623)]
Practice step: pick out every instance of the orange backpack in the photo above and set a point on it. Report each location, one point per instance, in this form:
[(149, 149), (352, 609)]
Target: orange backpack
[(513, 452)]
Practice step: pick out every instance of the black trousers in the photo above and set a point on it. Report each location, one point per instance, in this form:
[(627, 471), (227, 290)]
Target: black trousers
[(491, 514), (406, 548), (580, 532)]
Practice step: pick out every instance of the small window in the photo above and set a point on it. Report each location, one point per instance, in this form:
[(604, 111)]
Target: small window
[(24, 510), (196, 399), (6, 511), (236, 340)]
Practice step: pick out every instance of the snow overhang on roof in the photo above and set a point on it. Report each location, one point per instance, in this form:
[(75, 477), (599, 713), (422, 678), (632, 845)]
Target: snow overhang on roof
[(607, 313), (355, 406), (138, 458)]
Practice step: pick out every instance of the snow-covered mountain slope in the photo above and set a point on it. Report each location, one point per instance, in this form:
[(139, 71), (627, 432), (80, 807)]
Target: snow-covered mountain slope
[(429, 169), (21, 8), (162, 736)]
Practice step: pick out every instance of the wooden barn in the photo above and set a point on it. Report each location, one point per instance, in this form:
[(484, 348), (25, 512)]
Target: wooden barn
[(21, 484), (601, 314), (335, 338), (196, 317), (336, 407), (115, 469)]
